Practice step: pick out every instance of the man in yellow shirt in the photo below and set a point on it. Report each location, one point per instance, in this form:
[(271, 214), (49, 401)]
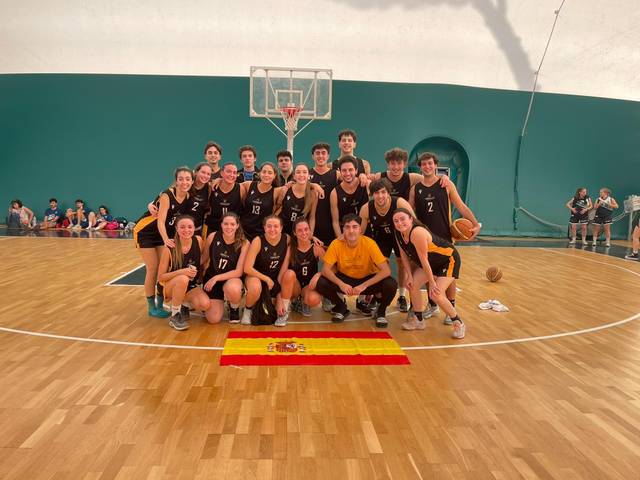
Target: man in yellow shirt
[(355, 266)]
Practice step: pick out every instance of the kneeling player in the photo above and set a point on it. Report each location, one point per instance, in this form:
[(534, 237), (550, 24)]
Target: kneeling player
[(225, 252), (178, 272), (427, 259), (302, 277)]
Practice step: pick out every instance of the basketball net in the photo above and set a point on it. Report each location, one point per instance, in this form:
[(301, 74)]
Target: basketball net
[(290, 115)]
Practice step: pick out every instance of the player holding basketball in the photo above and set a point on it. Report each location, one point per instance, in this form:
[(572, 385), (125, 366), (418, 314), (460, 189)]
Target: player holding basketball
[(579, 206), (347, 145), (213, 155), (604, 206), (429, 260), (151, 233), (225, 252), (377, 213), (178, 272), (267, 260), (432, 203)]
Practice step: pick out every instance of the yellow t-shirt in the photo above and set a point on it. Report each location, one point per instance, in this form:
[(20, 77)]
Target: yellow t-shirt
[(356, 262)]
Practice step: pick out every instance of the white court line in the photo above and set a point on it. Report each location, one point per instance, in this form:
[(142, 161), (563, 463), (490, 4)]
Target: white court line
[(429, 347), (108, 284)]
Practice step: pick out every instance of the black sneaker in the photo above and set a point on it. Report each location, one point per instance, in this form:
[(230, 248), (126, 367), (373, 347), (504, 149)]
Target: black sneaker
[(178, 323), (338, 317), (184, 311), (632, 256), (234, 315), (403, 306), (363, 307), (381, 322)]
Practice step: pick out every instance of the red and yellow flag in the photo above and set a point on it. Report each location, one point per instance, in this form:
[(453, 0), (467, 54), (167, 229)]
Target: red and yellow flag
[(312, 348)]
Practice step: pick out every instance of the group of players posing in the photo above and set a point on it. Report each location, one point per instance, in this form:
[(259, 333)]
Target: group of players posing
[(270, 228)]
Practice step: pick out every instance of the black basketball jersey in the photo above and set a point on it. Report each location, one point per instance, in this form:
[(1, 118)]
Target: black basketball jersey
[(580, 203), (199, 205), (269, 259), (382, 225), (221, 203), (175, 210), (351, 202), (223, 257), (328, 181), (433, 208), (438, 248), (191, 258), (400, 188), (292, 208), (257, 205), (305, 265), (217, 174), (359, 168)]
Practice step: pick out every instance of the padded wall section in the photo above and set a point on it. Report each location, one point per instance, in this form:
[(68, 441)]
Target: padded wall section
[(115, 139)]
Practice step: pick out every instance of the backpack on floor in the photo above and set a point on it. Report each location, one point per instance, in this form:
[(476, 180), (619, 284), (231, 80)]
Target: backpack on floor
[(264, 312)]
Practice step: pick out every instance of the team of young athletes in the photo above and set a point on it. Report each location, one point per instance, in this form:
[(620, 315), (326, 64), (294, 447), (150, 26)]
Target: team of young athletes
[(580, 205), (309, 236)]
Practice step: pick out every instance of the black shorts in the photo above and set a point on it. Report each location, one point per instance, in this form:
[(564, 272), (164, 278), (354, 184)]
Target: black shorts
[(577, 218), (148, 238), (606, 219), (442, 266), (217, 292)]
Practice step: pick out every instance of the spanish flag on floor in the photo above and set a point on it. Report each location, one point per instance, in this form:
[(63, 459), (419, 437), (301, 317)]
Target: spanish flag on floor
[(312, 348)]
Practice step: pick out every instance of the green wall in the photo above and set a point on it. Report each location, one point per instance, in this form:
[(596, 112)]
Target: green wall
[(115, 139)]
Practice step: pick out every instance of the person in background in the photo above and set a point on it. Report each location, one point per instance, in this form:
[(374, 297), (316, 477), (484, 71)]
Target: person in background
[(604, 206), (579, 207), (52, 215), (20, 216)]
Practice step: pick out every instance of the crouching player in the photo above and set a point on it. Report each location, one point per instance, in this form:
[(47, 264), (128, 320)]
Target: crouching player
[(427, 259)]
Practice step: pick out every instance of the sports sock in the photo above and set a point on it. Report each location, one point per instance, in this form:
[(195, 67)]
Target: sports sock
[(151, 302), (402, 291), (418, 316), (175, 310), (235, 306), (286, 304)]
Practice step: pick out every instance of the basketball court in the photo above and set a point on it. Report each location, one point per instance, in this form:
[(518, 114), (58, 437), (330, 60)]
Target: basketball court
[(547, 387), (94, 388)]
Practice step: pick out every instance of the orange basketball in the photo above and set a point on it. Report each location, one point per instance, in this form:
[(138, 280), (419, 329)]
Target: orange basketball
[(494, 274), (461, 229)]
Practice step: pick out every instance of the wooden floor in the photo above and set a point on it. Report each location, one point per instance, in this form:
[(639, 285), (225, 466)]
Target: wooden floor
[(565, 407)]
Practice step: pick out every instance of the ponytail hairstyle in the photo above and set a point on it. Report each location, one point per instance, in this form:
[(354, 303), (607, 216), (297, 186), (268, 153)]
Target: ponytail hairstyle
[(176, 253), (308, 194), (239, 237), (294, 239)]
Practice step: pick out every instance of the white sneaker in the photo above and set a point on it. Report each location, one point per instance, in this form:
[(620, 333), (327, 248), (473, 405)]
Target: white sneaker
[(458, 329), (572, 241), (431, 311), (595, 242), (246, 317), (413, 324), (281, 321), (447, 320), (608, 244)]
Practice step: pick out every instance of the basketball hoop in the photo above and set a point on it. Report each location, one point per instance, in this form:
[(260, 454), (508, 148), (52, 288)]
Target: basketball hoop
[(290, 115)]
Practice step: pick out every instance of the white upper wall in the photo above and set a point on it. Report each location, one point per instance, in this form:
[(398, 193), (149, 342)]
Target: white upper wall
[(484, 43)]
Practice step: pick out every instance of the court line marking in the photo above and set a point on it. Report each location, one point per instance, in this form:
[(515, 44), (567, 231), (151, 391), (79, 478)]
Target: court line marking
[(108, 284), (424, 347)]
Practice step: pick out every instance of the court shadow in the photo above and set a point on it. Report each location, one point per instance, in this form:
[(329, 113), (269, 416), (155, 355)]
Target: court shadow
[(494, 13)]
